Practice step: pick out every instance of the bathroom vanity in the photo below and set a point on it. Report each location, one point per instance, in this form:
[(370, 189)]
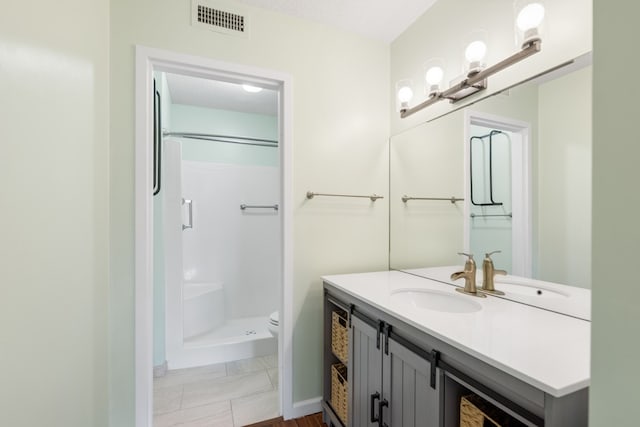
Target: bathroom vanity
[(417, 350)]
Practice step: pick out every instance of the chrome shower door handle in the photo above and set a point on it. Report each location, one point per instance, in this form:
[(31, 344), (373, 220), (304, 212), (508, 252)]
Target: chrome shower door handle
[(189, 204)]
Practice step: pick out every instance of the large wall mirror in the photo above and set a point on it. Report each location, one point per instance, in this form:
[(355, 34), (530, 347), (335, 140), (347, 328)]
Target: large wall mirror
[(509, 173)]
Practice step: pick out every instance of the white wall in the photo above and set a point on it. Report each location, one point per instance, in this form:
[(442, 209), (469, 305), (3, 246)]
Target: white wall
[(54, 115), (441, 32), (615, 375), (340, 130)]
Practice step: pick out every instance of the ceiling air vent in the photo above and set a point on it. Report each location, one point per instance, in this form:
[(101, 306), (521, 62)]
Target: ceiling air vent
[(220, 16)]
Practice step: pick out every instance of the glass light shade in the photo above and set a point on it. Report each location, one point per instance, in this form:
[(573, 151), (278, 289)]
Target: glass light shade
[(433, 75), (529, 18), (475, 51), (404, 94)]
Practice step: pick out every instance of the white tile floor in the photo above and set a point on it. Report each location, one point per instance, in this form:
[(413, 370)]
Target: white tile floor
[(224, 395)]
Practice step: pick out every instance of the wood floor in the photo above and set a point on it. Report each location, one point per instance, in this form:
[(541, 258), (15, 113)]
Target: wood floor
[(314, 420)]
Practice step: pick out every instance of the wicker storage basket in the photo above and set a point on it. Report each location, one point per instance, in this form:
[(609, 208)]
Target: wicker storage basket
[(339, 335), (339, 390), (477, 412)]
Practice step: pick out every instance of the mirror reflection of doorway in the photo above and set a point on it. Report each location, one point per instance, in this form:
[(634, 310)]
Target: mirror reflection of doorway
[(490, 193), (498, 191)]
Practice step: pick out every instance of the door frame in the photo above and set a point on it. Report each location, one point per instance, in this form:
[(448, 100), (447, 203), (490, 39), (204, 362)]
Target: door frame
[(148, 60), (522, 225)]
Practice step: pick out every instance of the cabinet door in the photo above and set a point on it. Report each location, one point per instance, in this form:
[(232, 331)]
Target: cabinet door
[(365, 373), (407, 388)]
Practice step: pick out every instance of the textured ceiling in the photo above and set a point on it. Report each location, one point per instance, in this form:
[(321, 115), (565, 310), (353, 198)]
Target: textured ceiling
[(207, 93), (378, 19)]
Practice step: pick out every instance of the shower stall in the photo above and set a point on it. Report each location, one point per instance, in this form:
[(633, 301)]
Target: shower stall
[(222, 251)]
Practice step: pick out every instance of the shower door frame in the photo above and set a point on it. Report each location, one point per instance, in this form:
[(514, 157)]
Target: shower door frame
[(147, 61)]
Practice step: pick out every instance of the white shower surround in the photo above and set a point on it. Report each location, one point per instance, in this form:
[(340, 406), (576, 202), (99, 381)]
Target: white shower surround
[(203, 308), (231, 255)]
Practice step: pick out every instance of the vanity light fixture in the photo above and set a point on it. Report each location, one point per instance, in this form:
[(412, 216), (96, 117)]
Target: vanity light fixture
[(433, 76), (404, 94), (475, 52), (529, 17)]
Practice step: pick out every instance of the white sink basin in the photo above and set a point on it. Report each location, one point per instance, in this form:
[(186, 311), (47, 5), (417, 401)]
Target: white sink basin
[(435, 300), (529, 290)]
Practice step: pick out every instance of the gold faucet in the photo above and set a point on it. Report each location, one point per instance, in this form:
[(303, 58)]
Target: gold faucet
[(469, 275), (488, 274)]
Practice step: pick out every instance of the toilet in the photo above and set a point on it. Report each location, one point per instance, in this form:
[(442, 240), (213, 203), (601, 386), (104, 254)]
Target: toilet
[(273, 323)]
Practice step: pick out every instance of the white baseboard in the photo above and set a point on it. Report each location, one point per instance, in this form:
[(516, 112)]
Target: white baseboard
[(306, 407)]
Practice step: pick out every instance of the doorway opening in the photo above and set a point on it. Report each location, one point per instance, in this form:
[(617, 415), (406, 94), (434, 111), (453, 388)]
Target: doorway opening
[(222, 183), (498, 190)]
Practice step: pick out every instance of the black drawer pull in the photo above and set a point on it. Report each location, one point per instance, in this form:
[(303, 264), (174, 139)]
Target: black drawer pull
[(374, 397), (381, 405)]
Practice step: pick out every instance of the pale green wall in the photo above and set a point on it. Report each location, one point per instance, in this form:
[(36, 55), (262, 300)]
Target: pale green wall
[(340, 145), (188, 118), (615, 373), (427, 161), (54, 213), (564, 179)]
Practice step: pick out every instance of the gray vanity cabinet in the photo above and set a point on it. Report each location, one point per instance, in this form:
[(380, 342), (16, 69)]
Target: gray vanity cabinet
[(406, 379), (399, 376), (390, 384), (365, 375)]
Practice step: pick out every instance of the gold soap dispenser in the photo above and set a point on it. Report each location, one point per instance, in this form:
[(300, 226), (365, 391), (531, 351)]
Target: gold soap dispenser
[(488, 274)]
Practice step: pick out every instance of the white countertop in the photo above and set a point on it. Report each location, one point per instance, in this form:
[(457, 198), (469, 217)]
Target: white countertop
[(547, 350), (571, 300)]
